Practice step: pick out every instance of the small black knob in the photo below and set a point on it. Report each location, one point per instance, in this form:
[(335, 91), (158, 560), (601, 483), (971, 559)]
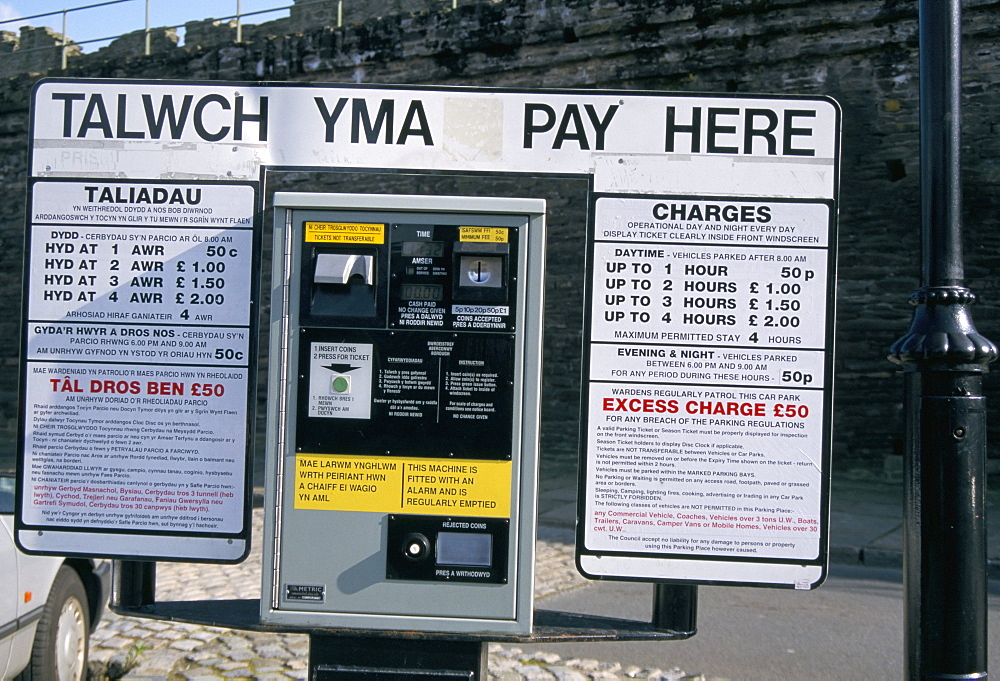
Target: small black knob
[(416, 547)]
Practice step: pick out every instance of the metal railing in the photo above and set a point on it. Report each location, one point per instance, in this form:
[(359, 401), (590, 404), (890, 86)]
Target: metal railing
[(66, 44)]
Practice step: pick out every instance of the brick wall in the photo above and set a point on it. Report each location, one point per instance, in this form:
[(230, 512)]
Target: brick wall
[(861, 52)]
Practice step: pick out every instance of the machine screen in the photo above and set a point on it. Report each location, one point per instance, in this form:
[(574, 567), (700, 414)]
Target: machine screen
[(421, 292), (423, 249)]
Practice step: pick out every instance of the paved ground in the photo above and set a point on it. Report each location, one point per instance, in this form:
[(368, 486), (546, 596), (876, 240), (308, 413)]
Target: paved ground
[(866, 529), (142, 649)]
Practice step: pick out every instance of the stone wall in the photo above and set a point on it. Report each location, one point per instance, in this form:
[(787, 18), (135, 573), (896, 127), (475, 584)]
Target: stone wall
[(34, 50), (861, 52)]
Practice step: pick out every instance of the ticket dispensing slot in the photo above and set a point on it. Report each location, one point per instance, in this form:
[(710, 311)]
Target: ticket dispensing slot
[(403, 412), (343, 283), (345, 269)]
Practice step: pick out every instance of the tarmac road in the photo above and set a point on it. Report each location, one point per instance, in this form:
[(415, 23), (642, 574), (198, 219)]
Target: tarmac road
[(849, 628)]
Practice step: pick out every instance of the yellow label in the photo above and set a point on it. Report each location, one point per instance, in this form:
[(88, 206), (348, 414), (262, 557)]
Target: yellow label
[(345, 233), (381, 484), (492, 235)]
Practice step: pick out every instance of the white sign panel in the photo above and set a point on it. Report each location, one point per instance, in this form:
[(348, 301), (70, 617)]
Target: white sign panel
[(140, 317), (630, 143), (707, 409)]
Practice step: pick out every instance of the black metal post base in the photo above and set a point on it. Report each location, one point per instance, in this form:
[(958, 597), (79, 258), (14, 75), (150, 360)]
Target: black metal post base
[(348, 658), (675, 608), (945, 528), (133, 584)]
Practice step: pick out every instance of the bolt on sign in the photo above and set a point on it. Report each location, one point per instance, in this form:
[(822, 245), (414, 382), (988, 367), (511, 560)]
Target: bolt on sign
[(709, 316)]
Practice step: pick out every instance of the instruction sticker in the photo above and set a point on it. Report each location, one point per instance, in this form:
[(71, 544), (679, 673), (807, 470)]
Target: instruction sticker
[(490, 235), (340, 380), (381, 484), (345, 233)]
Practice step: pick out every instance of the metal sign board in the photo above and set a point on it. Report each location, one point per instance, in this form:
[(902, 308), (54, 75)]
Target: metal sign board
[(630, 142), (103, 144), (708, 390), (139, 368)]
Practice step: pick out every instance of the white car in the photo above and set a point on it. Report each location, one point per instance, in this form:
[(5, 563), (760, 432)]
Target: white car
[(48, 606)]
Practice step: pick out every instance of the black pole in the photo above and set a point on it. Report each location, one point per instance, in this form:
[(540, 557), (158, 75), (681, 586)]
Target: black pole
[(349, 658), (133, 583), (675, 608), (943, 358)]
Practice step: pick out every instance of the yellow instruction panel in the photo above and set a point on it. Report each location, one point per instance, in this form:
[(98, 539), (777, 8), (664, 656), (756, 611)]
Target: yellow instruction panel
[(344, 233), (494, 235), (381, 484)]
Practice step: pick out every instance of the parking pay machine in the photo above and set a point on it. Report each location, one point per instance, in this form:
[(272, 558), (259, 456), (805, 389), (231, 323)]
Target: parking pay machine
[(403, 399)]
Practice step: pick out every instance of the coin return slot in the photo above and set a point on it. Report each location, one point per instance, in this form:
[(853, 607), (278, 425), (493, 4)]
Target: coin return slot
[(464, 548)]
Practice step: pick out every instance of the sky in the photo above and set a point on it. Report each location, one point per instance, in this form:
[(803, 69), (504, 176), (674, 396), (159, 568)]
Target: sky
[(126, 16)]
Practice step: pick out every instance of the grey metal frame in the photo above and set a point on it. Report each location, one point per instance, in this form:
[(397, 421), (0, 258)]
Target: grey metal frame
[(401, 605)]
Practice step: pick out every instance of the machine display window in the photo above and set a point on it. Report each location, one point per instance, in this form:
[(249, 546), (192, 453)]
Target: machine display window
[(421, 292), (423, 249), (464, 548)]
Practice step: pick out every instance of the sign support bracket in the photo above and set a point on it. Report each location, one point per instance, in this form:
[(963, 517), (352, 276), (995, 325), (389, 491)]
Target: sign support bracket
[(675, 608), (550, 626), (133, 584)]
